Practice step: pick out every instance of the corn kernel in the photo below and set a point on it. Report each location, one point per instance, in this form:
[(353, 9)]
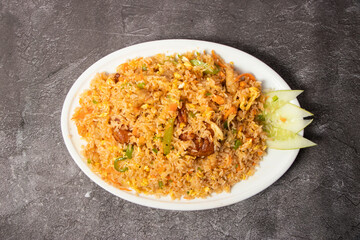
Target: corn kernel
[(145, 106), (187, 64), (208, 112), (109, 80), (103, 114), (251, 172), (161, 69), (144, 182), (177, 75)]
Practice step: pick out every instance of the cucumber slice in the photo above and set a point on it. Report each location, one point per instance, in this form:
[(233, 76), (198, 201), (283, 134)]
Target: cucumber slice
[(283, 95), (283, 120), (277, 99), (283, 139), (290, 110), (290, 117), (296, 125)]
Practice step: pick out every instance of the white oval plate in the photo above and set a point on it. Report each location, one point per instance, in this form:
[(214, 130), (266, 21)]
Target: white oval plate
[(271, 168)]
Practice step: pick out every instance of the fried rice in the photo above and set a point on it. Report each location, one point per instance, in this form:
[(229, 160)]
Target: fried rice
[(180, 125)]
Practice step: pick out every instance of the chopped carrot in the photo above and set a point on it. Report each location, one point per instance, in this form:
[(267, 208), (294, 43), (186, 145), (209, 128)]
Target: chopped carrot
[(141, 74), (141, 140), (82, 113), (260, 153), (161, 169), (217, 59), (221, 65), (124, 188), (135, 131), (283, 119), (253, 112), (250, 76), (222, 75), (124, 66), (230, 111), (79, 115), (116, 184), (213, 54), (242, 84), (218, 99), (250, 139), (173, 106)]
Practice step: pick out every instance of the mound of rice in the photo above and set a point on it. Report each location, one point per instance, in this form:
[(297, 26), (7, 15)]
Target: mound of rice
[(180, 125)]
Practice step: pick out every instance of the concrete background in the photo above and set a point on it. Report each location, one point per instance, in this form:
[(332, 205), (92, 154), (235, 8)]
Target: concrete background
[(46, 45)]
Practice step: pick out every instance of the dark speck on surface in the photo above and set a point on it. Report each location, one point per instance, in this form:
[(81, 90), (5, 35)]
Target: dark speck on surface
[(46, 45)]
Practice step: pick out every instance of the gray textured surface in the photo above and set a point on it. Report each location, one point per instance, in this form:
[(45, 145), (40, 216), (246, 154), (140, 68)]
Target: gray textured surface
[(45, 46)]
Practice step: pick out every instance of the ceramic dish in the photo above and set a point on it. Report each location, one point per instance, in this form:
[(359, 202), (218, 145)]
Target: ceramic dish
[(271, 168)]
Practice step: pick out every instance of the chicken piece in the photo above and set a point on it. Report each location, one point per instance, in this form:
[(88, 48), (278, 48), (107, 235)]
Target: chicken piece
[(231, 84), (140, 99), (187, 136), (182, 114), (121, 135), (203, 146), (119, 132), (116, 77)]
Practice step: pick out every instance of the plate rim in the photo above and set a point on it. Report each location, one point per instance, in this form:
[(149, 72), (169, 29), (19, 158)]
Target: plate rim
[(156, 203)]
